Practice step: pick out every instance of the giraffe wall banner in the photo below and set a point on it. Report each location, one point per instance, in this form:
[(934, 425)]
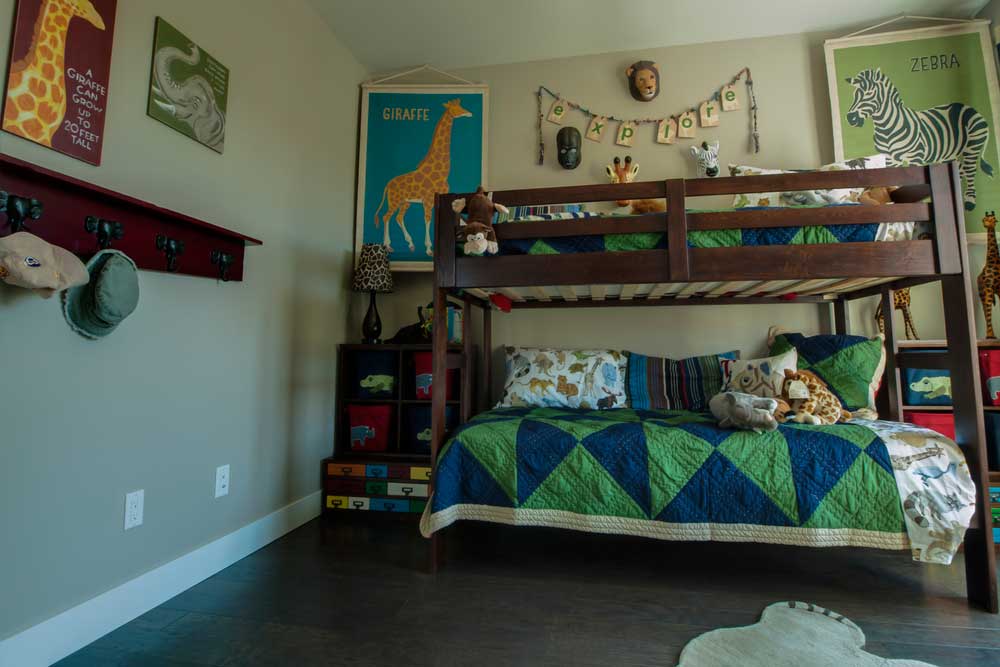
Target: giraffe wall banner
[(57, 84), (416, 142), (922, 96)]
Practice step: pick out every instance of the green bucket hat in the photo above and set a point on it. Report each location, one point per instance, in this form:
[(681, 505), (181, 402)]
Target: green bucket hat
[(96, 309)]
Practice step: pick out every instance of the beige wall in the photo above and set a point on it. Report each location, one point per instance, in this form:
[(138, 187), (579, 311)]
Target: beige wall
[(202, 374)]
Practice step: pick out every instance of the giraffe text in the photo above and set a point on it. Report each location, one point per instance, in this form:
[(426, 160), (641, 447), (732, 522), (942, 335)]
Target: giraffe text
[(404, 113), (934, 62)]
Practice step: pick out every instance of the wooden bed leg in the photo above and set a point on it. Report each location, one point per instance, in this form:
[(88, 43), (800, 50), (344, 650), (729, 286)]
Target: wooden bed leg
[(439, 342), (842, 317), (960, 327), (437, 552)]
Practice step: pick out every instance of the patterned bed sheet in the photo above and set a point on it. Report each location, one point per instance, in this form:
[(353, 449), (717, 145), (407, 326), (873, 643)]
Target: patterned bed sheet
[(675, 475), (726, 238)]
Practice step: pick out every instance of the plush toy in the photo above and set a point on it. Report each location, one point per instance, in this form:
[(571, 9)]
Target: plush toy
[(643, 80), (810, 400), (876, 196), (475, 233), (706, 158), (744, 411), (626, 172)]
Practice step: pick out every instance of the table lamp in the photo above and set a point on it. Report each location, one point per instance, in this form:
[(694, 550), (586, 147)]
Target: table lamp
[(372, 274)]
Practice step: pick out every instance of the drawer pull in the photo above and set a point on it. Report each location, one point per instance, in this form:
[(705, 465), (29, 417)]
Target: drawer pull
[(407, 490), (358, 504), (346, 470)]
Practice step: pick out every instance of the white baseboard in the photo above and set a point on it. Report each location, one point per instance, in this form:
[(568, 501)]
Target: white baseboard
[(58, 637)]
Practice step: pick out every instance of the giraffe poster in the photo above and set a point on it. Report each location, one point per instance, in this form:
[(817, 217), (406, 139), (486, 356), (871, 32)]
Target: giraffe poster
[(920, 97), (189, 89), (416, 142), (57, 84)]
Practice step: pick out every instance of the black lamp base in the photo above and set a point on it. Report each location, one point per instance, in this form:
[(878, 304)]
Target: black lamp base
[(371, 328)]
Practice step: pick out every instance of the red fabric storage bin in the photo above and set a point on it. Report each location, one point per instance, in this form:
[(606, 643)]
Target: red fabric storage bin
[(989, 371), (423, 366), (942, 422), (369, 426)]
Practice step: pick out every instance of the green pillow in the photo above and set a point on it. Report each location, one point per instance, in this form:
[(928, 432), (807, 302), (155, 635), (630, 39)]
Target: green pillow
[(851, 366)]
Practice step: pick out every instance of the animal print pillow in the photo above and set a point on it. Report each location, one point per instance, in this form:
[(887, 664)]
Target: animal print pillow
[(805, 197), (762, 377), (544, 377)]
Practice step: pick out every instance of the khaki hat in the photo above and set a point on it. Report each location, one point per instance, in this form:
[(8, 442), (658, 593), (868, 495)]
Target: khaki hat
[(28, 261), (96, 309)]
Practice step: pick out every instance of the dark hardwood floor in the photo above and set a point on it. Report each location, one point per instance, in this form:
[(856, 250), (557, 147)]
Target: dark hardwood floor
[(353, 592)]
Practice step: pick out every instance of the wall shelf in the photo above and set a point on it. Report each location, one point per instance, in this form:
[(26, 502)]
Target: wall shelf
[(76, 214)]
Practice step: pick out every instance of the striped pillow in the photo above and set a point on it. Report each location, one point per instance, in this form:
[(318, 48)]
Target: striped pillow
[(667, 384)]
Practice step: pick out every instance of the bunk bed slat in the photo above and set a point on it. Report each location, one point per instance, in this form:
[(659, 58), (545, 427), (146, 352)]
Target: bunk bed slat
[(807, 217), (812, 180), (596, 226)]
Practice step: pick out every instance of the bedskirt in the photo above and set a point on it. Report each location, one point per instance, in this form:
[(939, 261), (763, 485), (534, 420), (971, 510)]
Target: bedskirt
[(675, 475)]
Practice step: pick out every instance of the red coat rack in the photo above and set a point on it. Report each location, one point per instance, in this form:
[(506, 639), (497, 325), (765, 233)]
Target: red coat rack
[(84, 218)]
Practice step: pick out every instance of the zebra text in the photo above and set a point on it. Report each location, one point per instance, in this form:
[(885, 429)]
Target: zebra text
[(935, 62)]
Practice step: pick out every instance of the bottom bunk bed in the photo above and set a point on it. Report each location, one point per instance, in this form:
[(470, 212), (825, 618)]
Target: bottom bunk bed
[(675, 475)]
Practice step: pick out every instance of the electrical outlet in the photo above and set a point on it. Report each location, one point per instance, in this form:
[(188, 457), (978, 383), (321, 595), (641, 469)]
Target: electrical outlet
[(133, 508), (222, 481)]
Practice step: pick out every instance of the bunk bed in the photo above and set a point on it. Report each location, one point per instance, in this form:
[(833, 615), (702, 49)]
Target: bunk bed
[(673, 271)]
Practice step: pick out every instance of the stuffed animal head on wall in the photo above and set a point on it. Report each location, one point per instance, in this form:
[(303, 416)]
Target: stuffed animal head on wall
[(569, 142), (706, 159), (620, 172), (643, 80)]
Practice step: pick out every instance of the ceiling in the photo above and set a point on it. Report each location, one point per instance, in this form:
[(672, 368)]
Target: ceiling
[(387, 35)]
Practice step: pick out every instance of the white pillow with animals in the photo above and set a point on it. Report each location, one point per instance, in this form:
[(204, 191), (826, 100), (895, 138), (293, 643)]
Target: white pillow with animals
[(762, 377), (805, 197), (545, 377)]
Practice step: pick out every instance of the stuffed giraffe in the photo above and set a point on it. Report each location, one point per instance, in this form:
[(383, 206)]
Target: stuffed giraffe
[(989, 278), (420, 186), (36, 97), (626, 173), (900, 301)]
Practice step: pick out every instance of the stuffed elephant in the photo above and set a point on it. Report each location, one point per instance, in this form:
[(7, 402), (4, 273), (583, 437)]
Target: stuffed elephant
[(744, 411)]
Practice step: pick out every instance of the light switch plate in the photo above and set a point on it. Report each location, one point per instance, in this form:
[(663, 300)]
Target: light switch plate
[(134, 503), (222, 481)]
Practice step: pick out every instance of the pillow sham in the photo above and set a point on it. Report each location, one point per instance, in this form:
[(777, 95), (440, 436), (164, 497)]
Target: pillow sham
[(551, 378), (762, 377), (805, 197), (851, 366), (655, 383)]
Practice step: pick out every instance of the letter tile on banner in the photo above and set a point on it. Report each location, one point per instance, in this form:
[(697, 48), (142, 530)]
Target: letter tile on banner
[(666, 131), (730, 102), (709, 112), (686, 125), (598, 126), (557, 113), (626, 131)]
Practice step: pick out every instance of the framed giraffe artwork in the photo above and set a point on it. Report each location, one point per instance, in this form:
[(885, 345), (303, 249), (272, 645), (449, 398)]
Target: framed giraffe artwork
[(60, 68), (922, 96), (416, 142)]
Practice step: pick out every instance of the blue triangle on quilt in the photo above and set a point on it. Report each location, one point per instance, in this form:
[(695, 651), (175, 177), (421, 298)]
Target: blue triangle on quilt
[(463, 479), (878, 452), (621, 449), (853, 233), (770, 235), (574, 244), (819, 460), (720, 493), (817, 348), (540, 449), (710, 433)]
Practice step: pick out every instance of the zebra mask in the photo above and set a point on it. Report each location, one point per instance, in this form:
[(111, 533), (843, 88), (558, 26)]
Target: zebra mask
[(706, 159)]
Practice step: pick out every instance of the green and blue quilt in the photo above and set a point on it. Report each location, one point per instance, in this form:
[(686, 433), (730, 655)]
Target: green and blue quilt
[(669, 475)]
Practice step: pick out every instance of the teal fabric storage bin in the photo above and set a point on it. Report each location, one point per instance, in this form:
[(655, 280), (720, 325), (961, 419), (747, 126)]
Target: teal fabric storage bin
[(926, 387)]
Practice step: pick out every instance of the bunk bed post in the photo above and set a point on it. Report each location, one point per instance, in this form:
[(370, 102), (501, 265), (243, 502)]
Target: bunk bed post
[(894, 398), (487, 358), (842, 316), (468, 360), (677, 230)]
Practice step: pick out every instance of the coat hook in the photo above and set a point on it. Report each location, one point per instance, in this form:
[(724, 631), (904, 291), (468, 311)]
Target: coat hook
[(106, 230), (172, 248), (224, 261), (18, 209)]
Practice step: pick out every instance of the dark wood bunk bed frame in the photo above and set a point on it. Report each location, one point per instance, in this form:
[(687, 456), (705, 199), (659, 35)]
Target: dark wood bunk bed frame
[(886, 266)]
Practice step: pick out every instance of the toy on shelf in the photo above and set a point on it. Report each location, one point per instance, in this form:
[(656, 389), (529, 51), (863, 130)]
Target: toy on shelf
[(706, 158), (900, 301), (475, 232), (626, 172), (988, 281)]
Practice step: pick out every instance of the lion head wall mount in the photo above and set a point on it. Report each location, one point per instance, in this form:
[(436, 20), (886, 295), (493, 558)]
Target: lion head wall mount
[(643, 80)]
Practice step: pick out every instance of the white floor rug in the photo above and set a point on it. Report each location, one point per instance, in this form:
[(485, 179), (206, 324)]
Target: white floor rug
[(789, 634)]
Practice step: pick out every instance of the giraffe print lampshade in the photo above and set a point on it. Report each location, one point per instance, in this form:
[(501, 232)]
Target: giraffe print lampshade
[(372, 274)]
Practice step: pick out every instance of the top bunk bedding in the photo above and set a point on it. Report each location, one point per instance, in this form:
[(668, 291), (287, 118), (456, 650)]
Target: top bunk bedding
[(675, 475)]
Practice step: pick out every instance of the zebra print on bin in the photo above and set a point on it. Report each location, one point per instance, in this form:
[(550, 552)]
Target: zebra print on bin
[(946, 132)]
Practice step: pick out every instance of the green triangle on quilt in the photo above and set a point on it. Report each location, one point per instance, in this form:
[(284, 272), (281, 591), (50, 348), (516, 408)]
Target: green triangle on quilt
[(764, 458), (603, 496), (495, 446), (816, 235), (579, 428), (842, 370), (542, 248), (859, 435), (674, 457), (621, 449), (541, 448), (843, 507)]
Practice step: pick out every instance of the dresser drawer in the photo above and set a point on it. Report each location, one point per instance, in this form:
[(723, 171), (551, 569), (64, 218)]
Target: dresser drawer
[(377, 471), (376, 488), (358, 503), (345, 469), (418, 506), (399, 472), (336, 502), (389, 505), (420, 473), (345, 487), (407, 489)]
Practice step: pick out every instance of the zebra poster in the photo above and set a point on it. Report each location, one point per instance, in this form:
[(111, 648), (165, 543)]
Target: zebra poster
[(921, 96)]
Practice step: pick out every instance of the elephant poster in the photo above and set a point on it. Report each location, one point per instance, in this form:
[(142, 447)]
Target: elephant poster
[(416, 142), (57, 85), (922, 96), (189, 89)]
